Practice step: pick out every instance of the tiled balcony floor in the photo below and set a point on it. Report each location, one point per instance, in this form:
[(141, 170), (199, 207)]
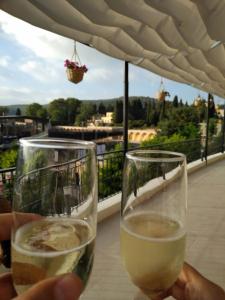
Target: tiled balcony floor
[(205, 244)]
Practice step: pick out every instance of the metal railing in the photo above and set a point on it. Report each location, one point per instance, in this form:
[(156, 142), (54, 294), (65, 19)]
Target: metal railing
[(6, 183), (110, 165)]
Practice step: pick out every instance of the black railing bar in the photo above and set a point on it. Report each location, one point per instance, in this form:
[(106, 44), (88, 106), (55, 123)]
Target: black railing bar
[(53, 166), (7, 170), (166, 144), (110, 152)]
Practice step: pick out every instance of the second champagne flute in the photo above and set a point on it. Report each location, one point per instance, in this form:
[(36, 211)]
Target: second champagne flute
[(153, 218)]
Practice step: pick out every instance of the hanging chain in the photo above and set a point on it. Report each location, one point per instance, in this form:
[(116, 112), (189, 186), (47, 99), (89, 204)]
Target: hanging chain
[(75, 54), (161, 86)]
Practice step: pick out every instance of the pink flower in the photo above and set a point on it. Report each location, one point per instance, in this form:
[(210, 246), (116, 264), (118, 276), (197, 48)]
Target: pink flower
[(74, 65)]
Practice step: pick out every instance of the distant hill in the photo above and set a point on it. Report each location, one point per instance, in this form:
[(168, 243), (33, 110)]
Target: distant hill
[(13, 108), (22, 107), (113, 100)]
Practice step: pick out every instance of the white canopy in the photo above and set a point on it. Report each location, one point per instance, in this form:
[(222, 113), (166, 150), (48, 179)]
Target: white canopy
[(182, 40)]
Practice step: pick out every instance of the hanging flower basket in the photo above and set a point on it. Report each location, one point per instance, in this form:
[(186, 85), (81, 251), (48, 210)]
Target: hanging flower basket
[(161, 96), (74, 71), (162, 93)]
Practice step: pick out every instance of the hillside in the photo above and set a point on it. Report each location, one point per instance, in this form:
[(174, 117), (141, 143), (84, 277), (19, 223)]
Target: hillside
[(113, 100), (22, 107), (13, 108)]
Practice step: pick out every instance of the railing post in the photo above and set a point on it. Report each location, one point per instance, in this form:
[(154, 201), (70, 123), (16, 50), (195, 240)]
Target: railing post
[(125, 108), (202, 154), (207, 128), (223, 129)]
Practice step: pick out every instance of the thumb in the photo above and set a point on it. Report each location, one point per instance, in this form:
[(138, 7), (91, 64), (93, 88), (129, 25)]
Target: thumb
[(67, 287)]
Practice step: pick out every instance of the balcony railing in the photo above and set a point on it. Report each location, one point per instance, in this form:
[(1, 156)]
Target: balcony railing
[(110, 165)]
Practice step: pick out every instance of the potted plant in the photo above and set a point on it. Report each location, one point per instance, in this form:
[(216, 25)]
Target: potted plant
[(74, 70)]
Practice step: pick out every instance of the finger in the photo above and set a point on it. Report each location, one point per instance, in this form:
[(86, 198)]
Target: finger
[(177, 292), (181, 282), (67, 287), (7, 221), (190, 274), (6, 287)]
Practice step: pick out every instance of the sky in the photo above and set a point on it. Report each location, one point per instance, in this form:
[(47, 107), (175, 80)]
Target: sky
[(32, 70)]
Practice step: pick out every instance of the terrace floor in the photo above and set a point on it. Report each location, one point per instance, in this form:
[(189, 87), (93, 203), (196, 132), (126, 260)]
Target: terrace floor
[(205, 243)]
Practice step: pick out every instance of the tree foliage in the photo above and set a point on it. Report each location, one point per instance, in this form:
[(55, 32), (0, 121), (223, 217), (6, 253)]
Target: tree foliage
[(8, 158), (18, 112), (136, 110), (175, 101), (64, 111), (87, 110), (118, 112), (32, 109), (3, 110), (101, 109), (73, 106), (183, 121), (36, 110)]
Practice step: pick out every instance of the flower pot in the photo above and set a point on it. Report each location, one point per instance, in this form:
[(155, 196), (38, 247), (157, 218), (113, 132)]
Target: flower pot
[(161, 95), (75, 75)]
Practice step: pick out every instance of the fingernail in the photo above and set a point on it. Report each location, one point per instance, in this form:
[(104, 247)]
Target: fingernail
[(69, 287)]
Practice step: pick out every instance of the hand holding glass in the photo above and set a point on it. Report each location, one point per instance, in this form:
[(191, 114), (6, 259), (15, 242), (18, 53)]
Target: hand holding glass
[(153, 217), (55, 210)]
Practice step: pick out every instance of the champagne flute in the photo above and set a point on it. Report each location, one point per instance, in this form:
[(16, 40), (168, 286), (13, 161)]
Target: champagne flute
[(55, 210), (153, 218)]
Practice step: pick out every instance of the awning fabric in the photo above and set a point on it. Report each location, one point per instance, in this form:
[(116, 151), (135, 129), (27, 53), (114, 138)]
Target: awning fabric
[(182, 40)]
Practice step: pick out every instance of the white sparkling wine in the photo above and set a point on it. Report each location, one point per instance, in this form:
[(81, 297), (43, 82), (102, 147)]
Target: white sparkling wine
[(50, 247), (152, 248)]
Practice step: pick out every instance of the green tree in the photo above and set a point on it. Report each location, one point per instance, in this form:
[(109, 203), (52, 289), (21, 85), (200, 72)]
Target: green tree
[(18, 112), (3, 110), (42, 113), (160, 140), (136, 110), (8, 158), (177, 143), (101, 109), (73, 106), (58, 112), (87, 110), (148, 113), (175, 101), (212, 109), (178, 120), (212, 126), (110, 175), (118, 112), (109, 108), (32, 109)]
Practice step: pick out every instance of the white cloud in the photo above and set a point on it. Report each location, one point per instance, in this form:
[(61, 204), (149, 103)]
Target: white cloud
[(46, 44), (41, 55), (4, 61), (22, 95), (41, 42), (99, 74), (24, 90), (9, 93), (39, 70)]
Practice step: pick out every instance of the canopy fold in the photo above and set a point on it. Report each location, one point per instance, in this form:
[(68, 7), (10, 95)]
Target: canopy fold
[(177, 39)]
